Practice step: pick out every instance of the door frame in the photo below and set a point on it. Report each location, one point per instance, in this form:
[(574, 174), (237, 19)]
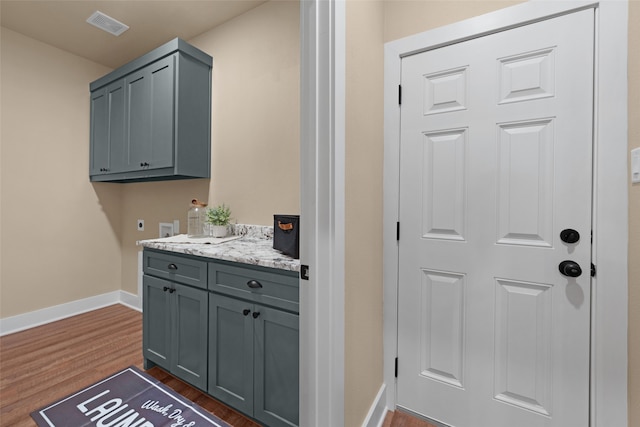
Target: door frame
[(322, 211), (609, 317)]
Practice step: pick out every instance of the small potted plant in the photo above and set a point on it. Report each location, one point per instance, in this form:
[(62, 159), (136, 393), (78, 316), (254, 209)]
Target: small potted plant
[(218, 218)]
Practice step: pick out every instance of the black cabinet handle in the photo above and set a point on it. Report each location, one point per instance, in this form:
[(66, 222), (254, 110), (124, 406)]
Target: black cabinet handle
[(256, 314), (246, 311), (172, 290), (172, 266), (254, 284), (165, 289)]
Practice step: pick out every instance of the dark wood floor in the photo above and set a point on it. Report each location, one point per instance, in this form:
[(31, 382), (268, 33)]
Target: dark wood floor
[(400, 419), (43, 364), (46, 363)]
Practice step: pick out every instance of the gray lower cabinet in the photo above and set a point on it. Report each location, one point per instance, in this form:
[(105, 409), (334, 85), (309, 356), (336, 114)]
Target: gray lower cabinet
[(227, 328), (175, 329), (253, 359)]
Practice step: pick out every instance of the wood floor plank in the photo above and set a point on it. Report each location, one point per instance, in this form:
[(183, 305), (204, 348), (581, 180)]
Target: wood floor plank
[(48, 362), (43, 364)]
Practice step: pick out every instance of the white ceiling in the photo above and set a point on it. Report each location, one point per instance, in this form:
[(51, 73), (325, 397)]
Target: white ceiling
[(62, 23)]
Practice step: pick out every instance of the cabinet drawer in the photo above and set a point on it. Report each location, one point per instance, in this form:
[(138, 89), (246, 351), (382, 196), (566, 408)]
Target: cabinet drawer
[(279, 290), (175, 268)]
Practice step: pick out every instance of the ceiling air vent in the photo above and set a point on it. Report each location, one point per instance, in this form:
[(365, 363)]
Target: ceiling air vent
[(107, 23)]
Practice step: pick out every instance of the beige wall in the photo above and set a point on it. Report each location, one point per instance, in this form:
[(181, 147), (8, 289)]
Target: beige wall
[(254, 132), (60, 233), (404, 18), (363, 216), (65, 239), (634, 217)]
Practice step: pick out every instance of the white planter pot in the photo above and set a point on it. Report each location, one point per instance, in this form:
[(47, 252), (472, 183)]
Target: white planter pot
[(218, 230)]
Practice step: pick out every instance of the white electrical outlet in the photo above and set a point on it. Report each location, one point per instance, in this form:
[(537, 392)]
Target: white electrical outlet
[(140, 225), (165, 229), (176, 226)]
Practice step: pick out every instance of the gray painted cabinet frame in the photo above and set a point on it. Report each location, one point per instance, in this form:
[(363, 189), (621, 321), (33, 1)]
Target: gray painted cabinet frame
[(204, 323), (151, 118)]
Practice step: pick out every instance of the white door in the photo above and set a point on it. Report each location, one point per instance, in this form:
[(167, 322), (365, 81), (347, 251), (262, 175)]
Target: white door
[(496, 162)]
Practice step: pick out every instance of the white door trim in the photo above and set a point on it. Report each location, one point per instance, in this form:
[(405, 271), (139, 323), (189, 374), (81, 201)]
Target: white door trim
[(322, 146), (610, 288)]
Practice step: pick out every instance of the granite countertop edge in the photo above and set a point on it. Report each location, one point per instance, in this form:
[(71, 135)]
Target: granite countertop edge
[(255, 247)]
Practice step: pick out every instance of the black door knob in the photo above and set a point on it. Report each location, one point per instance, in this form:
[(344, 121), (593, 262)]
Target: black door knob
[(569, 235), (570, 269)]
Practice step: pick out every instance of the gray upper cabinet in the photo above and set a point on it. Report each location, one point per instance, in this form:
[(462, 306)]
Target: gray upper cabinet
[(107, 129), (151, 118)]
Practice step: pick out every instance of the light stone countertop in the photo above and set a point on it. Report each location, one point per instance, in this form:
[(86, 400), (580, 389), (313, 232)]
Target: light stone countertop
[(255, 247)]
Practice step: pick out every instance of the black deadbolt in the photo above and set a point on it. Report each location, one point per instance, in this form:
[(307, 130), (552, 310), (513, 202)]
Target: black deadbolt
[(569, 235), (570, 269)]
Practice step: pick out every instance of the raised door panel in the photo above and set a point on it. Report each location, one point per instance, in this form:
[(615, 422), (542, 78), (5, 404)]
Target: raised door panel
[(276, 367), (189, 360), (99, 161), (138, 111), (156, 336), (231, 352), (116, 111), (162, 85)]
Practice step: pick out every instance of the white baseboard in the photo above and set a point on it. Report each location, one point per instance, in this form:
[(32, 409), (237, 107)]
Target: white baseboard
[(378, 410), (24, 321)]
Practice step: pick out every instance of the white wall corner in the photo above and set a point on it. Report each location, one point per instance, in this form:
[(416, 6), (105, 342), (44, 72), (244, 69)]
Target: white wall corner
[(130, 300), (378, 410)]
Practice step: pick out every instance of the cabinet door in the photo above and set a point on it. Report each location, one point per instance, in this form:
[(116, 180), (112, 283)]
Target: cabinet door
[(150, 116), (107, 129), (156, 321), (99, 162), (231, 352), (276, 367), (138, 115), (161, 74), (189, 351), (116, 112)]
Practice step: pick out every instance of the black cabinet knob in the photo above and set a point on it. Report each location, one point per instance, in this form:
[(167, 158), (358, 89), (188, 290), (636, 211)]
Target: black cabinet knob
[(254, 284), (246, 311), (570, 269), (165, 289), (256, 314), (172, 290)]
